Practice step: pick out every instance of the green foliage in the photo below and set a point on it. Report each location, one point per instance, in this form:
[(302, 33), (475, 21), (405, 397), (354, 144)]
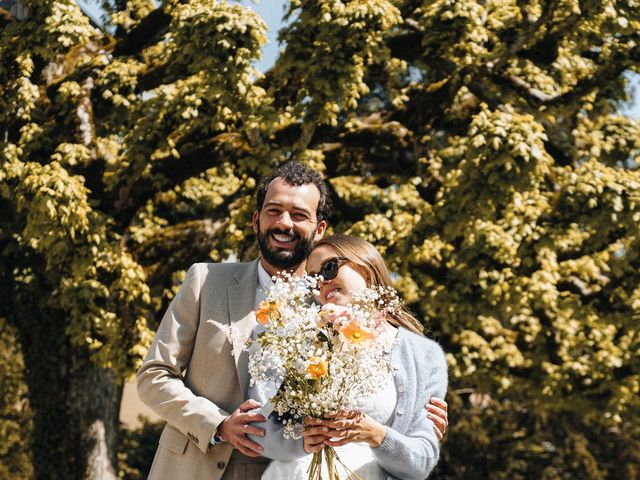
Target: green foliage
[(478, 144), (15, 428), (330, 44), (511, 440), (137, 449)]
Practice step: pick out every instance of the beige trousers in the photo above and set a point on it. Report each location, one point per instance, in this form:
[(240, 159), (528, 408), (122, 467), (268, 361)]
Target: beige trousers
[(242, 467)]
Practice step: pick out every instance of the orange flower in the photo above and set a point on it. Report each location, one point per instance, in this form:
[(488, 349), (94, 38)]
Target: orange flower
[(266, 310), (317, 368), (354, 333)]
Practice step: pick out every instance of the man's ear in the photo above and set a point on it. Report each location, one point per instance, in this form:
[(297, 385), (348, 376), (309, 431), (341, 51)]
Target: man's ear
[(254, 221), (320, 229)]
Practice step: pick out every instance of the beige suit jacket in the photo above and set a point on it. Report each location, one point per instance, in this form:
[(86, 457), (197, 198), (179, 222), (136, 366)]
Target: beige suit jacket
[(190, 377)]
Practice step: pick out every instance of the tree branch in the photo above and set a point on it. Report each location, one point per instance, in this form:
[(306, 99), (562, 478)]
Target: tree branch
[(577, 285), (616, 65), (142, 34), (194, 158), (525, 35)]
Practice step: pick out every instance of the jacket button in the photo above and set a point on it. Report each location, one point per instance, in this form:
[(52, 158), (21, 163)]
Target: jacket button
[(221, 465), (400, 412)]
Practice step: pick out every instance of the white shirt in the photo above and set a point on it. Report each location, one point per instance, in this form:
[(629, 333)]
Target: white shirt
[(264, 284)]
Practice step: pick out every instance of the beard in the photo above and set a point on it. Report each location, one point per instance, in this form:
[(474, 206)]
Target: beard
[(281, 258)]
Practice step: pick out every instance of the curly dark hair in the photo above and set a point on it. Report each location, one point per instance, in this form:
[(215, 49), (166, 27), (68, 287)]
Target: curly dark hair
[(296, 174)]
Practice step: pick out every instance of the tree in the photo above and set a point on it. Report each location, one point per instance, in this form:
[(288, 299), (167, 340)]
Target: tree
[(476, 143), (487, 161), (84, 153), (15, 415)]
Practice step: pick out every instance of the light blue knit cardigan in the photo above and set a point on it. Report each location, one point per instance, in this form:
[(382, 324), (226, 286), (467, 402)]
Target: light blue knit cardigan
[(410, 449)]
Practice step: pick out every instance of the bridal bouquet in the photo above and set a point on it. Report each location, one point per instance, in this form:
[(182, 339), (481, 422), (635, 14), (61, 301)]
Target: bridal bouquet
[(323, 359)]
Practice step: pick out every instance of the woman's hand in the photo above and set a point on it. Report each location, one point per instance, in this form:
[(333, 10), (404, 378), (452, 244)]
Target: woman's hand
[(314, 435), (437, 412), (341, 428)]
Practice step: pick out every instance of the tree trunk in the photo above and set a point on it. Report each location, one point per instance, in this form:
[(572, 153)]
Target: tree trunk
[(76, 408)]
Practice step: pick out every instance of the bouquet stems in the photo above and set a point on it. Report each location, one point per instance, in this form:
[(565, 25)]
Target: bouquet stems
[(330, 458)]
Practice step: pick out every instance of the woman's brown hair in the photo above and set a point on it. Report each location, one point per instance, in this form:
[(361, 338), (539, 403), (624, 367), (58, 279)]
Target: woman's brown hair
[(371, 266)]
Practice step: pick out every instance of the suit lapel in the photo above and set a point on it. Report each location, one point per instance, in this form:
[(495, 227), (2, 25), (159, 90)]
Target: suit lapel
[(242, 297)]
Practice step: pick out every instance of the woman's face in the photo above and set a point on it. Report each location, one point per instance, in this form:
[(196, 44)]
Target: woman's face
[(339, 290)]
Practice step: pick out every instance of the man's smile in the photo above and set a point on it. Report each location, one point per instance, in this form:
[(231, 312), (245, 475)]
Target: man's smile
[(284, 240)]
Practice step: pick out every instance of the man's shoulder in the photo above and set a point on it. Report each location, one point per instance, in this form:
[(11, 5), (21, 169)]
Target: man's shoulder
[(220, 267), (223, 271)]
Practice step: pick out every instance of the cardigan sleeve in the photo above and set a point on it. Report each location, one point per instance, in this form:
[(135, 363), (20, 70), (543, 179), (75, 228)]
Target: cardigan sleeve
[(410, 449)]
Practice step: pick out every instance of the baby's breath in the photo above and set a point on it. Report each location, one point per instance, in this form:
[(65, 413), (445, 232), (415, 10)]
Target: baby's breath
[(324, 358)]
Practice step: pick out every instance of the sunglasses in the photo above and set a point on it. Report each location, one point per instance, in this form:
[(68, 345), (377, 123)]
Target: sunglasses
[(329, 269)]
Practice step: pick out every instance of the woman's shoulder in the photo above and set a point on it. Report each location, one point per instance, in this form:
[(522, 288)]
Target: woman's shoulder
[(424, 359), (413, 340), (421, 348)]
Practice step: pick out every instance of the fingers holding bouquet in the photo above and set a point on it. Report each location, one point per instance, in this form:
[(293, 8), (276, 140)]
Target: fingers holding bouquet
[(342, 427), (314, 435), (348, 426)]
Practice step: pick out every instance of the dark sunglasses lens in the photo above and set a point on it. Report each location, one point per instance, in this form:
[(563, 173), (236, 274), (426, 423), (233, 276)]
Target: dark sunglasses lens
[(329, 270)]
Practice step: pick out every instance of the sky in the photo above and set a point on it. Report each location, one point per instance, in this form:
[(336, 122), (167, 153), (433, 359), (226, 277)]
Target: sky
[(272, 11)]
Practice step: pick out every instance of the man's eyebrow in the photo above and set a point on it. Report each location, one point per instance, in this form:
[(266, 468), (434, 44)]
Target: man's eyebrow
[(271, 203), (302, 209)]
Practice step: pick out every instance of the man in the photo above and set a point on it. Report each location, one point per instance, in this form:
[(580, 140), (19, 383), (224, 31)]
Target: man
[(190, 377)]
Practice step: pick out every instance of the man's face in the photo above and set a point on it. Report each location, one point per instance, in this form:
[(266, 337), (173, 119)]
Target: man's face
[(287, 225)]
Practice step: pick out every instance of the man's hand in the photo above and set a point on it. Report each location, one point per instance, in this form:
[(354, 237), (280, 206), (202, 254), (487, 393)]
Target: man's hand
[(437, 413), (235, 427)]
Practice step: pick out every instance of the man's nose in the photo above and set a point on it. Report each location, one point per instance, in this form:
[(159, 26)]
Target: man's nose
[(285, 221)]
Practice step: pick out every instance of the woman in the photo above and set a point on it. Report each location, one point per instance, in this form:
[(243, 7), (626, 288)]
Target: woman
[(389, 435)]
